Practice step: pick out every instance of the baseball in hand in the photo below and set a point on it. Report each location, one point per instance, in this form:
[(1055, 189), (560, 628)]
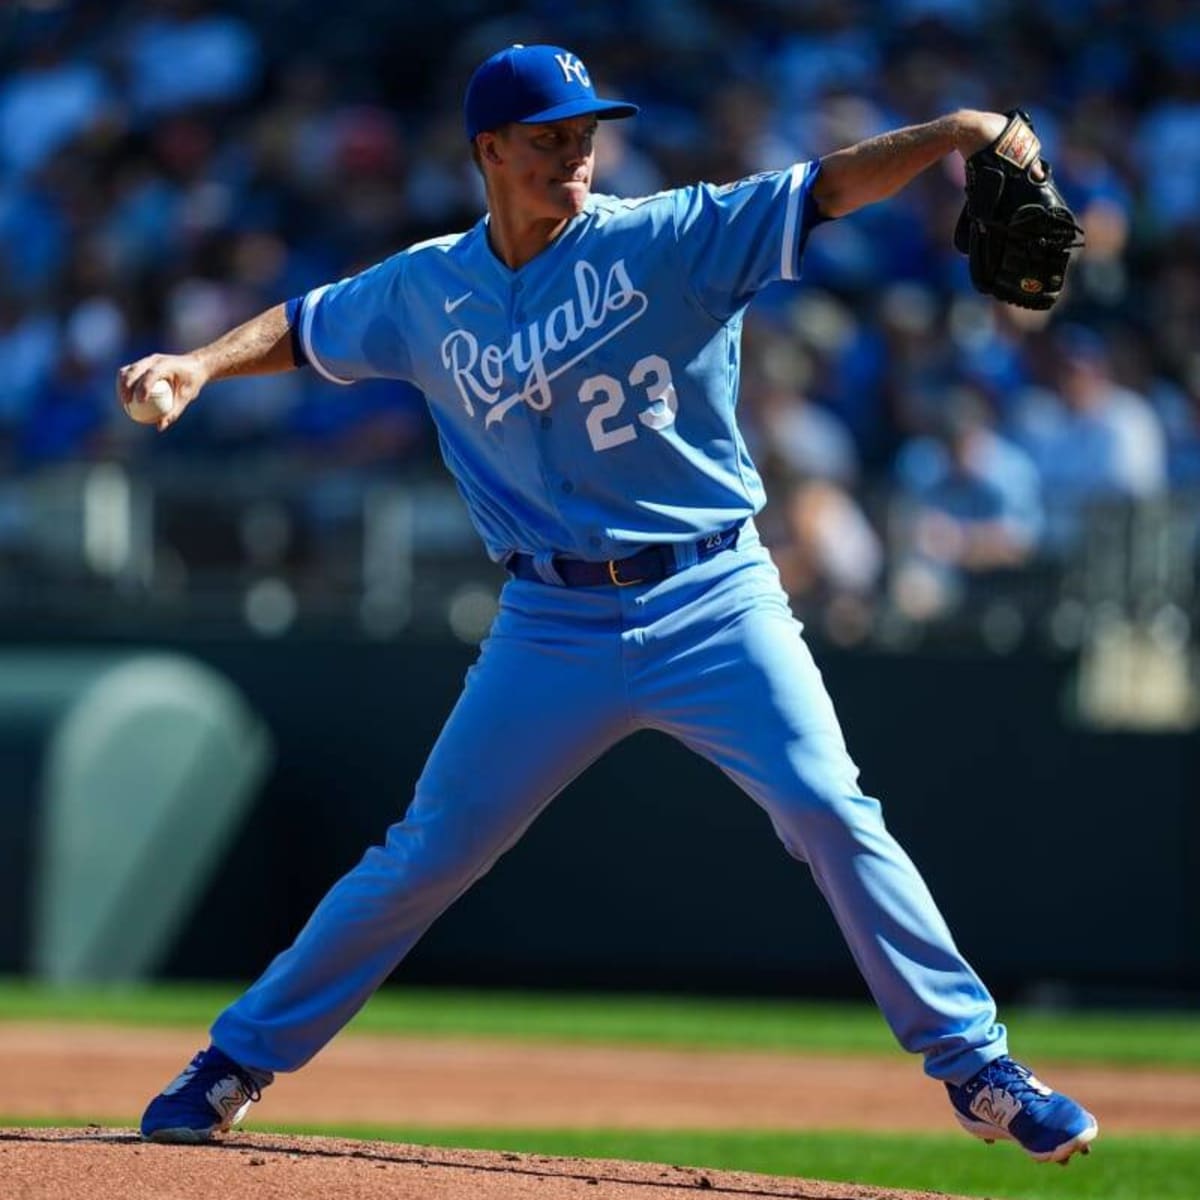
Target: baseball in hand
[(159, 402)]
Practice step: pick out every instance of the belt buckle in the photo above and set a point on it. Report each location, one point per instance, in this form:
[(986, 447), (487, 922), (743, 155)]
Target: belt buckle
[(617, 580)]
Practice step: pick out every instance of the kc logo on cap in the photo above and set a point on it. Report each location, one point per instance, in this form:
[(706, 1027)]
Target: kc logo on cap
[(573, 67), (531, 85)]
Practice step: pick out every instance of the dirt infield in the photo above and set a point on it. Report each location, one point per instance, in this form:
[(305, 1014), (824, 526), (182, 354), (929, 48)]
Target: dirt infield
[(104, 1075), (66, 1164)]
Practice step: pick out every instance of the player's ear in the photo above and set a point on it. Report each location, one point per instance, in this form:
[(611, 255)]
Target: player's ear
[(485, 143)]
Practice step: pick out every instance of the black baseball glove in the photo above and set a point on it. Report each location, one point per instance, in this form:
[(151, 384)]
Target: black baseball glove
[(1017, 230)]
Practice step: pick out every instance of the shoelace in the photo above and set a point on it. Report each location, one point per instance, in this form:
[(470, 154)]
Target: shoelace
[(252, 1088), (220, 1071), (1012, 1078)]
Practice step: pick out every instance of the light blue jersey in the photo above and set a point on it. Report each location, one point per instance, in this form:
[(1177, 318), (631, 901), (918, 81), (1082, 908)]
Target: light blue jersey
[(585, 403)]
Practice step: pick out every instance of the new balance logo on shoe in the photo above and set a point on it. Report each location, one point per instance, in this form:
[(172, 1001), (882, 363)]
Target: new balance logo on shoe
[(229, 1098), (995, 1106)]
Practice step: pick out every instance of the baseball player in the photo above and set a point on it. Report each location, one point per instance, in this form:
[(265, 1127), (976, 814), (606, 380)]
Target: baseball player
[(580, 356)]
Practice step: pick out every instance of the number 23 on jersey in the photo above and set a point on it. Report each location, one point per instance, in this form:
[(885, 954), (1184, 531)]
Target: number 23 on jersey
[(606, 397)]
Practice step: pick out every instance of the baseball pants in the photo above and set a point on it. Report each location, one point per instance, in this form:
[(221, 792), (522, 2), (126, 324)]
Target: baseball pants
[(711, 655)]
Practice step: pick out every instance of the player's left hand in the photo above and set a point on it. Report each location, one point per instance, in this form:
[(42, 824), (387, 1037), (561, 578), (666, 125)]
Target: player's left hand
[(1015, 227)]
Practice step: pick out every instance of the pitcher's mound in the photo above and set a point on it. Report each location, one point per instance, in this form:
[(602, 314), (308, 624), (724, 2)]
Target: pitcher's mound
[(114, 1164)]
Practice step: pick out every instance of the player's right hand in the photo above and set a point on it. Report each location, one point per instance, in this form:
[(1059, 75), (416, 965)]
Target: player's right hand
[(184, 372)]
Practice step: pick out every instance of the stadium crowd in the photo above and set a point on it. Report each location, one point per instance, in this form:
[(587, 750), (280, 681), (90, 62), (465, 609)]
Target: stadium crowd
[(170, 167)]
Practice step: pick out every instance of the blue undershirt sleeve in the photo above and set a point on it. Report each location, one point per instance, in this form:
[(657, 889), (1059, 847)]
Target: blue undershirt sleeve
[(292, 311)]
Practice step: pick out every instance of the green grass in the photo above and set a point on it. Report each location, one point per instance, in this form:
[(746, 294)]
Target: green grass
[(1158, 1039), (1158, 1168)]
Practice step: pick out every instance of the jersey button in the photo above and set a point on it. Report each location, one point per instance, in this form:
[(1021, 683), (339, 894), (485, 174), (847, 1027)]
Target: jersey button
[(547, 422), (567, 486)]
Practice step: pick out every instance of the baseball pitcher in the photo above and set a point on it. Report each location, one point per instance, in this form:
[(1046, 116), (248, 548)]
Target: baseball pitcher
[(580, 356)]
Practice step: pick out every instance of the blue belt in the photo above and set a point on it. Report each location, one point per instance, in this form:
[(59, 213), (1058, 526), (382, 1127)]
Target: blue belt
[(646, 566)]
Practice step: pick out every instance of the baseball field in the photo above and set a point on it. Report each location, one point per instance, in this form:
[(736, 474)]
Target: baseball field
[(736, 1097)]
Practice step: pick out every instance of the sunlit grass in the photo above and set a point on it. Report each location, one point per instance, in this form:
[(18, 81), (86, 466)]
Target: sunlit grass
[(1169, 1039)]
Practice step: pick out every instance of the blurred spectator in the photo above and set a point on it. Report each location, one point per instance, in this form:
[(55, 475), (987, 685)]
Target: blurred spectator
[(807, 441), (1168, 141), (66, 417), (791, 434), (29, 348), (970, 505), (832, 553), (189, 52), (975, 496), (443, 188), (50, 100), (846, 376), (1178, 408), (33, 239), (621, 168), (1092, 439)]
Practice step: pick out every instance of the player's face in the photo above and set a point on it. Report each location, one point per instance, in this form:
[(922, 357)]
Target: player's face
[(546, 170)]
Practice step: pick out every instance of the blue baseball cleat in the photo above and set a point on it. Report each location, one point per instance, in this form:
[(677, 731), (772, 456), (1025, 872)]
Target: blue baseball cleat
[(210, 1096), (1006, 1100)]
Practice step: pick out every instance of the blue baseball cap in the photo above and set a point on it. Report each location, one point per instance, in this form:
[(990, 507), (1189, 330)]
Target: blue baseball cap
[(532, 84)]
